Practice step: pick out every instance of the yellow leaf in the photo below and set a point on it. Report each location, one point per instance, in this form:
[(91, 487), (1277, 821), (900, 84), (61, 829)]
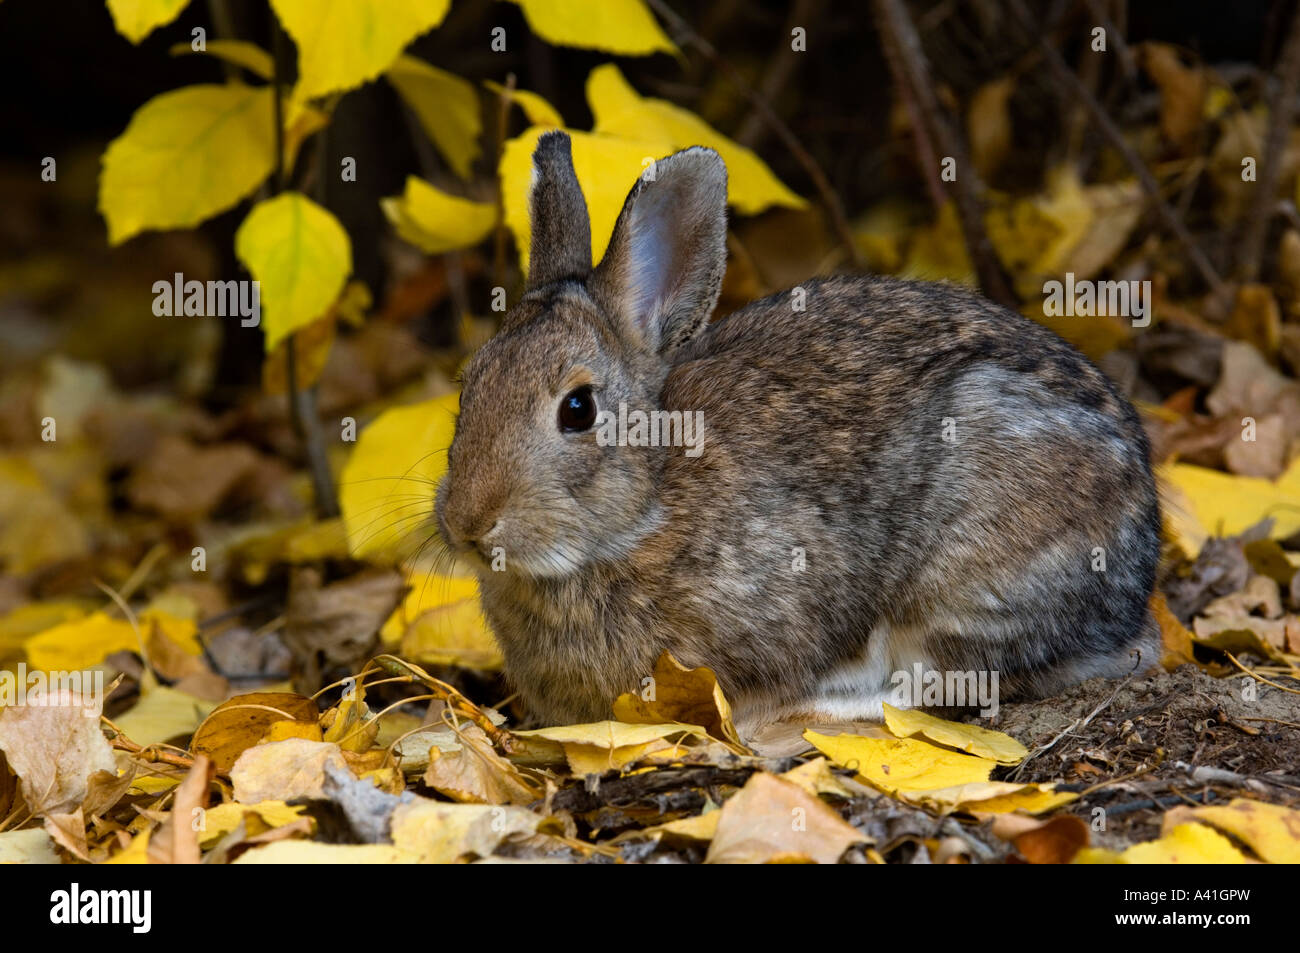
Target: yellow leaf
[(344, 43), (537, 109), (300, 255), (21, 623), (239, 52), (162, 714), (453, 634), (607, 168), (1185, 844), (937, 251), (446, 106), (992, 797), (81, 644), (621, 111), (427, 591), (441, 833), (136, 19), (1270, 830), (625, 27), (184, 632), (601, 746), (224, 818), (901, 765), (185, 156), (435, 221), (136, 852), (387, 487), (968, 738), (1206, 502), (36, 526), (683, 696)]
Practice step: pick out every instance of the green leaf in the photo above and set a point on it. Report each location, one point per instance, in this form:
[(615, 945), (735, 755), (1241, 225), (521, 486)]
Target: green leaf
[(136, 19), (437, 222), (446, 106), (625, 27), (300, 255), (185, 156), (344, 43)]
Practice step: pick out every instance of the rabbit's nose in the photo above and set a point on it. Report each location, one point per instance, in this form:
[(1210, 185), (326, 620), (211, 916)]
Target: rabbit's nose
[(471, 529)]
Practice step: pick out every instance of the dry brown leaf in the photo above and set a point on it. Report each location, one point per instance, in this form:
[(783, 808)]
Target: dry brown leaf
[(775, 820), (241, 722), (185, 482), (475, 773), (54, 749), (687, 696), (284, 770), (338, 624), (1182, 94), (177, 840)]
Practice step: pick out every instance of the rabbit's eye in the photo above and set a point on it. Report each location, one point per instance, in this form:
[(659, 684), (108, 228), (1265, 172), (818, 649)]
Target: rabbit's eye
[(578, 410)]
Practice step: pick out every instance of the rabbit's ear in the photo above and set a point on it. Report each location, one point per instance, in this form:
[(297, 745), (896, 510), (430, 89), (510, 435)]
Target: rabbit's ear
[(663, 269), (560, 246)]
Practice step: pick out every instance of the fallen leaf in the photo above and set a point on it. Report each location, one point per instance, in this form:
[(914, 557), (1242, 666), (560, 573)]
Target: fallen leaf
[(981, 742), (240, 722), (773, 820), (284, 770), (54, 748), (686, 696)]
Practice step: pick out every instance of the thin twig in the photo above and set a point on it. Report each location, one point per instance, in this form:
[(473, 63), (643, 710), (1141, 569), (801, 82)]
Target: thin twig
[(687, 36), (1078, 724), (896, 26), (302, 402), (1076, 89), (1281, 105)]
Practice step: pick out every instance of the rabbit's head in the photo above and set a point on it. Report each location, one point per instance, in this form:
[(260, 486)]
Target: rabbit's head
[(527, 477)]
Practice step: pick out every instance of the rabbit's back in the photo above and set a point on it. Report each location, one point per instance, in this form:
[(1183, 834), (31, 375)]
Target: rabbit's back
[(912, 466)]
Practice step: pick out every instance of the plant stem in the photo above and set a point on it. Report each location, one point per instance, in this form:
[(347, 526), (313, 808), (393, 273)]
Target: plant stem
[(302, 401)]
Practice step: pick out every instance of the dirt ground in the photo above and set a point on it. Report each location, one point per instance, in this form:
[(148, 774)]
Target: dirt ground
[(1136, 748)]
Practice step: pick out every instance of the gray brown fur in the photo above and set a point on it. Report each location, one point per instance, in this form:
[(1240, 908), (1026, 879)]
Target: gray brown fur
[(823, 430)]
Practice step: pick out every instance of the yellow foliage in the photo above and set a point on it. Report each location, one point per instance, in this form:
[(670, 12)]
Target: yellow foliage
[(387, 487), (136, 19), (344, 43), (901, 765), (1203, 502), (971, 739), (436, 222), (1185, 844), (447, 107), (625, 27), (185, 156), (536, 108), (239, 52), (621, 111), (301, 256)]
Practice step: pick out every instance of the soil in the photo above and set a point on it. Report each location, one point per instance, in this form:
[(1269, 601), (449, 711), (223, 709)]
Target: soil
[(1140, 752)]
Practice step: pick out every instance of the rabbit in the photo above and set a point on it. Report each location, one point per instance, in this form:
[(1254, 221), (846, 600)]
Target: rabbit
[(891, 474)]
